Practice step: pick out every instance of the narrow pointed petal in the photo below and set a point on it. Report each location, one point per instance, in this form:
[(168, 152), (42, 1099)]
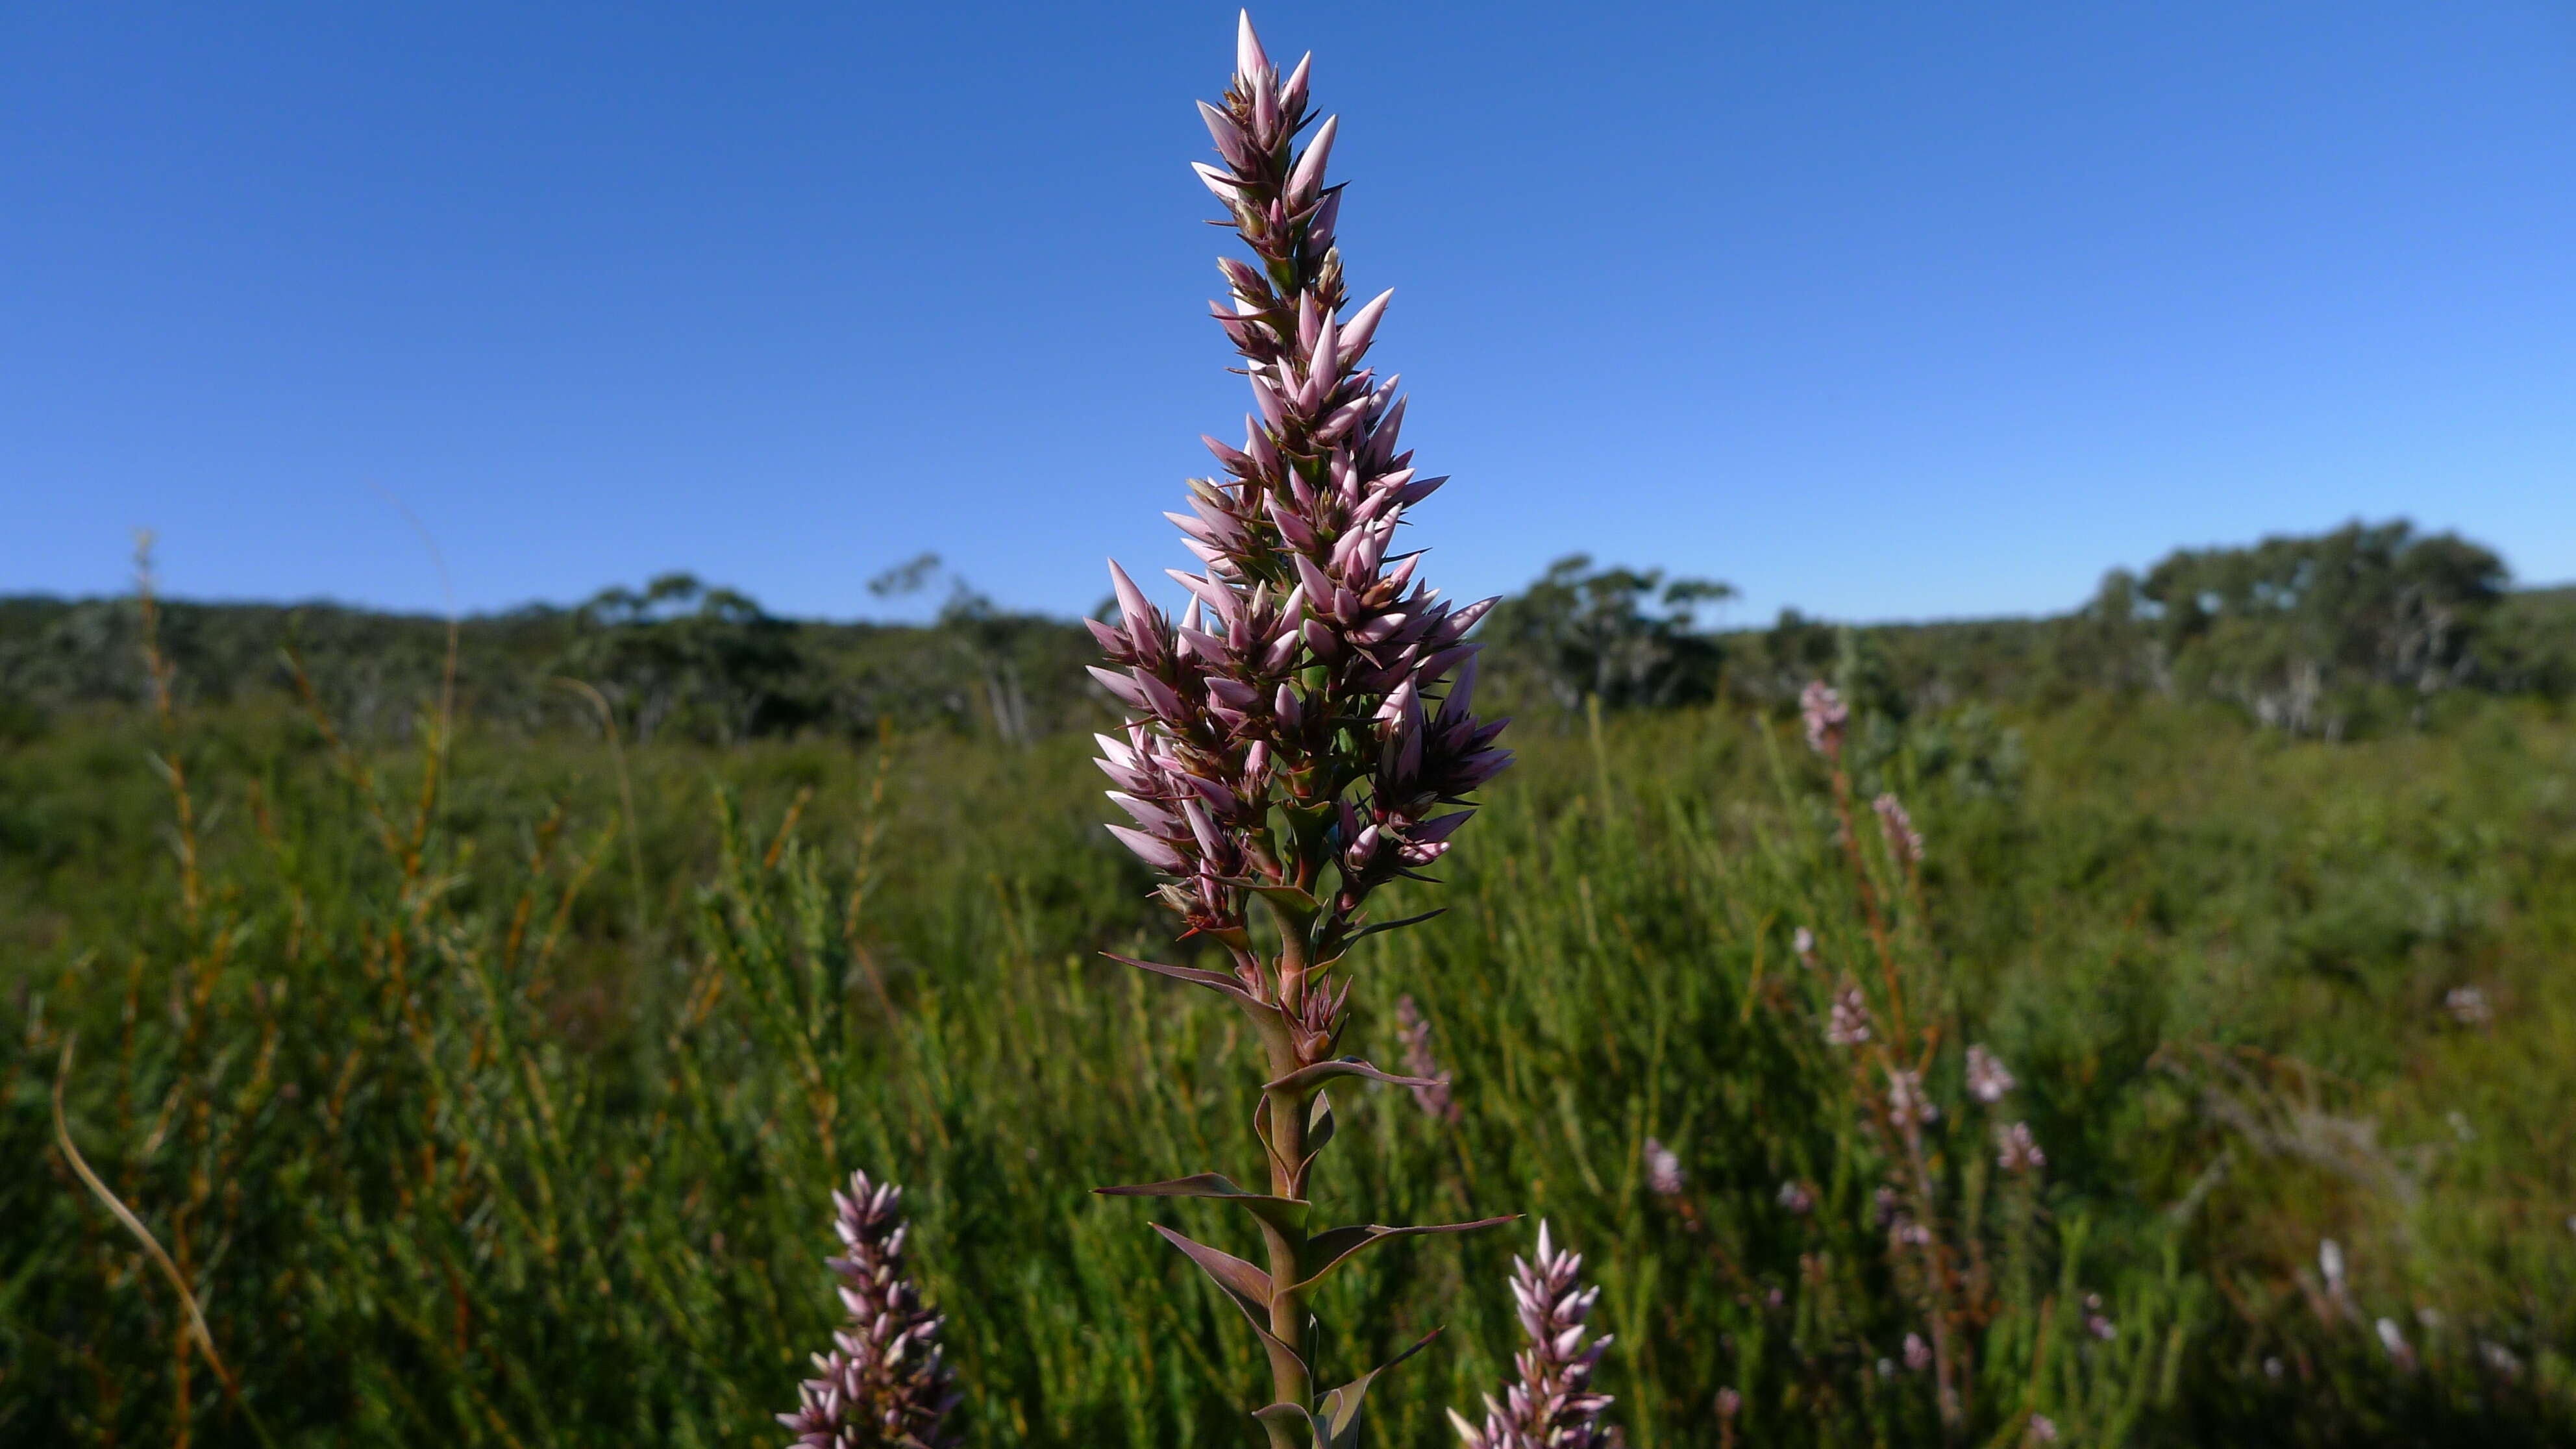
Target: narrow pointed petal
[(1145, 812), (1308, 178), (1153, 852), (1229, 137), (1413, 493), (1312, 579), (1131, 600), (1119, 685), (1209, 592), (1357, 332), (1225, 187), (1249, 58), (1159, 696), (1236, 461), (1292, 94)]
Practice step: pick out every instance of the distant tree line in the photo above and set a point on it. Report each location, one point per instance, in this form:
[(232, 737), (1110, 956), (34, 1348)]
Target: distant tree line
[(2324, 634), (675, 659)]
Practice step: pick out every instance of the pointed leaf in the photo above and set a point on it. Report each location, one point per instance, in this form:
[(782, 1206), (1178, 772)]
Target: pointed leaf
[(1286, 1214), (1340, 1424), (1319, 1124), (1247, 1285), (1212, 980), (1283, 1420), (1261, 1129), (1365, 932), (1319, 1130), (1304, 1077), (1280, 891), (1327, 1251)]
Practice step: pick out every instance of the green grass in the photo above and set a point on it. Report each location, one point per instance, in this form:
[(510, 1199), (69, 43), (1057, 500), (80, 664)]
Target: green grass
[(499, 1123)]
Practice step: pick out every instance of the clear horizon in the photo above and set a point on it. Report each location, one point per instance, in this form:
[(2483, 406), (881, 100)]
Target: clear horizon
[(1889, 316)]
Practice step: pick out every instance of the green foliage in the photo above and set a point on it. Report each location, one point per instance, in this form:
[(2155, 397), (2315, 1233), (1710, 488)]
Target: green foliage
[(2296, 629), (469, 1130), (1624, 637), (2353, 632), (678, 657), (711, 661)]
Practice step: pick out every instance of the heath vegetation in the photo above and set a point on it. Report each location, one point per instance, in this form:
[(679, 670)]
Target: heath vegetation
[(2144, 1026)]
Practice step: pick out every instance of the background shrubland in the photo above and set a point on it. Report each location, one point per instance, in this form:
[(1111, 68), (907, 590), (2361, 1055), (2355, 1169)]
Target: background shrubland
[(2361, 629), (488, 1084)]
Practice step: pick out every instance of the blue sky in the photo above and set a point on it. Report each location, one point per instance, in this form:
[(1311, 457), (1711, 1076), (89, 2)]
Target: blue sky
[(1879, 310)]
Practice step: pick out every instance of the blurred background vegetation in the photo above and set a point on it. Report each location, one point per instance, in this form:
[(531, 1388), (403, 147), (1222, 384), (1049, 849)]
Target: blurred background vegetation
[(2358, 630), (486, 1082)]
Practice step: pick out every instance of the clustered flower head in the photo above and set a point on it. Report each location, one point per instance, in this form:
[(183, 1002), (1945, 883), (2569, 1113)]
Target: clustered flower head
[(1903, 840), (1848, 1023), (1303, 732), (2468, 1006), (1797, 1197), (1300, 729), (1663, 1170), (2393, 1339), (1553, 1405), (1905, 1100), (1413, 1029), (2020, 1150), (884, 1382), (1825, 716), (2097, 1322), (1988, 1078)]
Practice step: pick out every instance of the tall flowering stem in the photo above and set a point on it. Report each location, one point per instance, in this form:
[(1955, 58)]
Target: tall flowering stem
[(1551, 1404), (1298, 737), (884, 1383), (1887, 1071)]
